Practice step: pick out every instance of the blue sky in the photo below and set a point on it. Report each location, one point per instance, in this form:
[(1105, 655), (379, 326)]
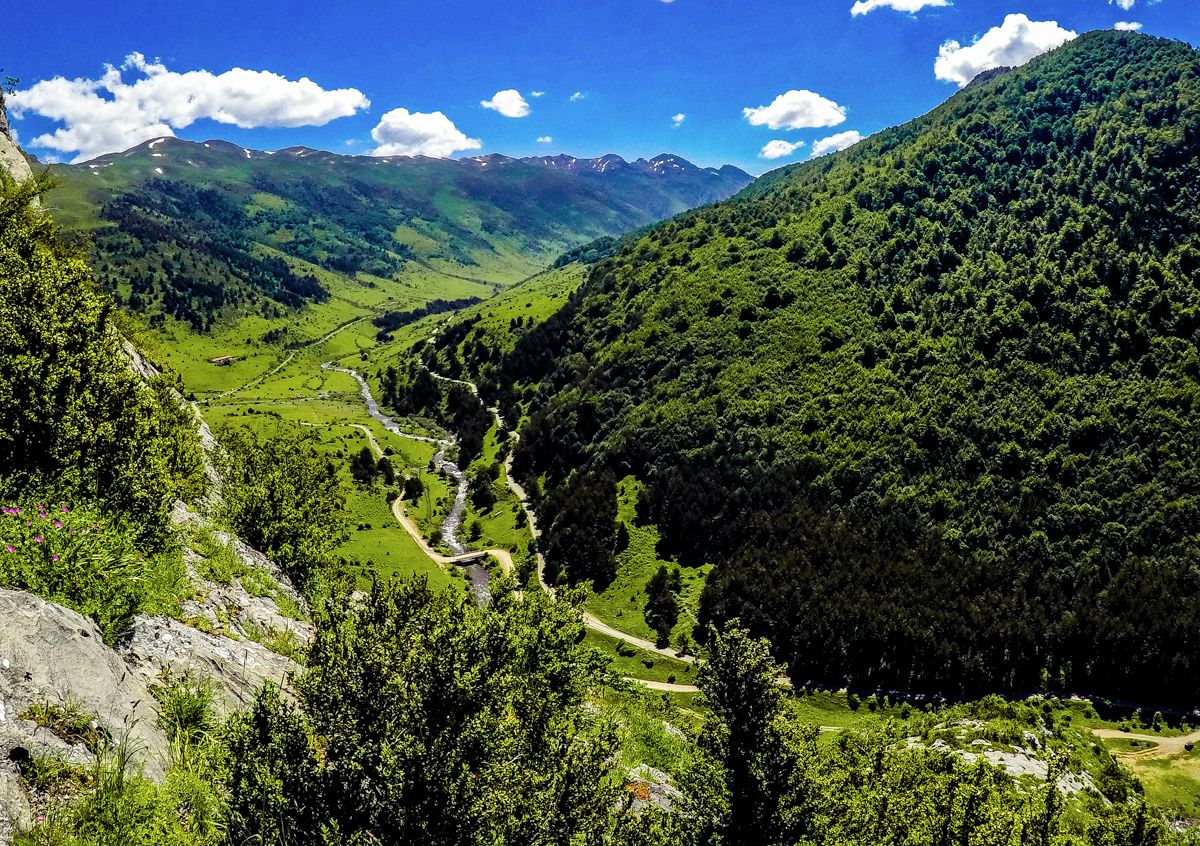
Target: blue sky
[(632, 66)]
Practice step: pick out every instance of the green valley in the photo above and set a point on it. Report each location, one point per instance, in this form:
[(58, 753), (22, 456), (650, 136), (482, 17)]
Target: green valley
[(549, 501)]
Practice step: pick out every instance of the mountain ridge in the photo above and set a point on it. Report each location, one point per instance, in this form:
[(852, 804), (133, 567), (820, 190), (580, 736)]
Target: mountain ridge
[(661, 164), (205, 230), (901, 395)]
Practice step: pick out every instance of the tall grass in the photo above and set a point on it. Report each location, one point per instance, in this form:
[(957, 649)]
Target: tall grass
[(124, 808)]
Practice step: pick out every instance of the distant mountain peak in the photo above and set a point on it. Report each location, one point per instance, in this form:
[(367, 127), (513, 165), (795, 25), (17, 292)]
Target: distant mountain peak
[(213, 152), (664, 165)]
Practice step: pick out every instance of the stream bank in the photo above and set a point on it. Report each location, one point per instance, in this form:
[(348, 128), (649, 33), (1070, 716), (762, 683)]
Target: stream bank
[(452, 525)]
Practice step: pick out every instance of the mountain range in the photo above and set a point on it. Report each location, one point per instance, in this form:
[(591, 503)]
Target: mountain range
[(197, 230)]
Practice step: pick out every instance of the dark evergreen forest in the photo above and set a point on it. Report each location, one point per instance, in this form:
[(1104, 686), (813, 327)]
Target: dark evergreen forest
[(928, 404)]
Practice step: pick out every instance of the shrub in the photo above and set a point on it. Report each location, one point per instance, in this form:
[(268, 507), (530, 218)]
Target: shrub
[(284, 499)]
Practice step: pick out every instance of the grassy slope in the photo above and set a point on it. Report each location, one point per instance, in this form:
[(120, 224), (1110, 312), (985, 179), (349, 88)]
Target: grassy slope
[(622, 603)]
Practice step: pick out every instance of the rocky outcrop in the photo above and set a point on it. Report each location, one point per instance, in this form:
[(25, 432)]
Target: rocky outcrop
[(159, 647), (183, 517), (50, 655), (12, 160)]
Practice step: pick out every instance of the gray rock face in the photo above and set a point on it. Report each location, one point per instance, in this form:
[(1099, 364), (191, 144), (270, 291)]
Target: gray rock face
[(159, 647), (50, 654), (11, 159), (182, 516)]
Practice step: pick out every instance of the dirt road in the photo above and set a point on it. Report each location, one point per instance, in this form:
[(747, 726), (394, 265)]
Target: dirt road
[(1166, 746), (502, 555)]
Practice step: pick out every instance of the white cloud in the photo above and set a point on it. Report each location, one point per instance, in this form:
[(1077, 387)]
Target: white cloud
[(577, 96), (779, 149), (404, 133), (545, 139), (110, 114), (833, 143), (797, 110), (1013, 43), (508, 102), (1127, 26), (1123, 4), (537, 93), (677, 120), (863, 7)]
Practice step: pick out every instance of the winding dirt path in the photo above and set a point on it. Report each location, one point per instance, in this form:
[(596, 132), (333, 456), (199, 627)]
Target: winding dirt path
[(589, 619), (375, 447), (1166, 746), (501, 555)]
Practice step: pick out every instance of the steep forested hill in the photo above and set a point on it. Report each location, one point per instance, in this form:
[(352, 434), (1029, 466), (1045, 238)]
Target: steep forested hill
[(197, 231), (75, 420), (929, 404)]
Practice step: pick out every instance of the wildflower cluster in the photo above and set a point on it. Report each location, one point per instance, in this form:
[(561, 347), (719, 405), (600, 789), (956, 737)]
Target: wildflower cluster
[(42, 528), (70, 556)]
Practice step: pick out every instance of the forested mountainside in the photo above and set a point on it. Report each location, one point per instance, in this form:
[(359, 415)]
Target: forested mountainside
[(75, 420), (928, 404), (200, 230)]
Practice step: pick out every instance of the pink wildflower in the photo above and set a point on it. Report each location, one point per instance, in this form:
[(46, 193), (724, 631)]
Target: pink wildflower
[(37, 538), (54, 558), (10, 549), (58, 524)]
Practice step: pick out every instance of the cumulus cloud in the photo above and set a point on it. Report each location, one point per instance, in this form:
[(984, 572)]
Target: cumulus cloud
[(545, 139), (537, 93), (863, 7), (1127, 26), (508, 102), (1124, 4), (779, 149), (677, 120), (797, 110), (404, 133), (1013, 43), (577, 96), (112, 113), (833, 143)]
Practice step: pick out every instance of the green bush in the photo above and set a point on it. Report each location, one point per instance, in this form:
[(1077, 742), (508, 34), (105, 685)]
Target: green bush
[(283, 499)]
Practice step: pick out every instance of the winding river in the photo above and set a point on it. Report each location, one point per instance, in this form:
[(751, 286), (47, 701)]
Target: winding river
[(452, 525)]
